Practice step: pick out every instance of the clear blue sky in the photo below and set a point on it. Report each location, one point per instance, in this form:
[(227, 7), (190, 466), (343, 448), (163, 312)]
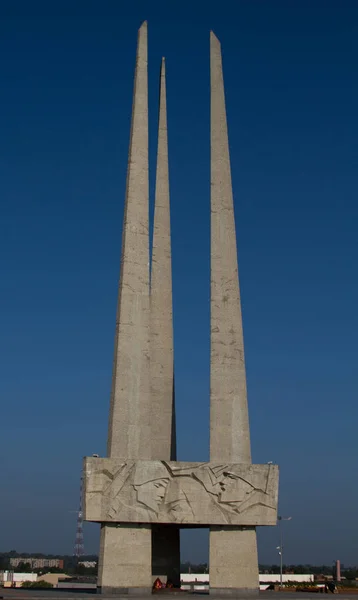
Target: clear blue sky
[(66, 75)]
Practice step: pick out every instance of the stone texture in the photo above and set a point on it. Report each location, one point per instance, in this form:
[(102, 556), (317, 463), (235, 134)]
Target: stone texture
[(125, 558), (233, 561), (121, 490), (161, 302), (233, 553), (165, 540), (125, 552), (130, 426), (229, 424)]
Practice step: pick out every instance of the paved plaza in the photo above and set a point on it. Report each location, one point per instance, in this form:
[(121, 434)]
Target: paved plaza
[(21, 594)]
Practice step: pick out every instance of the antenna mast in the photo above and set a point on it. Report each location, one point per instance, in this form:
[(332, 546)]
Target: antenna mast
[(79, 547)]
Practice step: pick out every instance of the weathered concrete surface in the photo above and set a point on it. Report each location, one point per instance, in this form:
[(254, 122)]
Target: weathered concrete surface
[(130, 427), (125, 552), (229, 422), (165, 540), (233, 558), (125, 559), (161, 301), (120, 490)]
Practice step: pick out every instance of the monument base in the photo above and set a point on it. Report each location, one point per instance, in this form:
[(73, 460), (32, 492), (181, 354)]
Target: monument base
[(125, 561), (233, 560)]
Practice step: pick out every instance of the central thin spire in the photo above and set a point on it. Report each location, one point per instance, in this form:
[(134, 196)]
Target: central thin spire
[(165, 540), (161, 315)]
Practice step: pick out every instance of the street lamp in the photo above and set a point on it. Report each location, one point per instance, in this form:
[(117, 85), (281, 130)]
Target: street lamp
[(280, 547)]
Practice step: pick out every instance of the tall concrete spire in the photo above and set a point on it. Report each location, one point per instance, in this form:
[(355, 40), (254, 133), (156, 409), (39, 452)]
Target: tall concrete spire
[(229, 423), (125, 552), (161, 303), (129, 432), (165, 538), (233, 553)]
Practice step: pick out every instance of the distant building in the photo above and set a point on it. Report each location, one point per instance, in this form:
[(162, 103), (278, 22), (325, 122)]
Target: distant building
[(9, 579), (37, 563), (53, 578), (200, 581)]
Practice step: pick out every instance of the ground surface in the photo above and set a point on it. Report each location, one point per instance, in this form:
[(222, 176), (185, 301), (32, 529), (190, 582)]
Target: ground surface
[(22, 594)]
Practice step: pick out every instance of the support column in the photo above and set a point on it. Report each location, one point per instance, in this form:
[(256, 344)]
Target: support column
[(125, 559), (125, 552), (165, 538), (233, 551)]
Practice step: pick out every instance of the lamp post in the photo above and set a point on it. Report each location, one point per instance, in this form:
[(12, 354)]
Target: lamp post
[(280, 547)]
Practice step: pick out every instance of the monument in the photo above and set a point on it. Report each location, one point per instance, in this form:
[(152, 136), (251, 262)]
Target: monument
[(140, 494)]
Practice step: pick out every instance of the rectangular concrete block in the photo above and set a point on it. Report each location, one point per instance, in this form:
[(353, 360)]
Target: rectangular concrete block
[(233, 561), (120, 490), (125, 558)]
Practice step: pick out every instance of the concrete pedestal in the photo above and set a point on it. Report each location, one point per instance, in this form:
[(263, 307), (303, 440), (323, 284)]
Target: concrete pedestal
[(233, 562), (125, 564)]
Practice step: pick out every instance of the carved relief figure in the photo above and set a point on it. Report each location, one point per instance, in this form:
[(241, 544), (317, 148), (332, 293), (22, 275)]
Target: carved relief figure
[(210, 492), (140, 492), (151, 491)]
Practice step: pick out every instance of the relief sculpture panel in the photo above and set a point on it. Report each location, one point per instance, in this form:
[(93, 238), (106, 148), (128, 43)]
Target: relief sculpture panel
[(142, 491)]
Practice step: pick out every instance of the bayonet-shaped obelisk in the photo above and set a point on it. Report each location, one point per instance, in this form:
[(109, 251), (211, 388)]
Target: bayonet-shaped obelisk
[(165, 538), (233, 551), (125, 553), (161, 302)]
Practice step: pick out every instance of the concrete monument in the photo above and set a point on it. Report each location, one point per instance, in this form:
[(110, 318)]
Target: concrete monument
[(140, 494)]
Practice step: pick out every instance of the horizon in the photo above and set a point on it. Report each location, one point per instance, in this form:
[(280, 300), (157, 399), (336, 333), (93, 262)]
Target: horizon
[(182, 562)]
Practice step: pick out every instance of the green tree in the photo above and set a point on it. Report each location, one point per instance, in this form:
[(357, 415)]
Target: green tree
[(37, 584), (350, 573), (23, 568)]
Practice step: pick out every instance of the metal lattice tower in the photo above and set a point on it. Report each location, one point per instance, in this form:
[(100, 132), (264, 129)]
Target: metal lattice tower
[(79, 546)]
